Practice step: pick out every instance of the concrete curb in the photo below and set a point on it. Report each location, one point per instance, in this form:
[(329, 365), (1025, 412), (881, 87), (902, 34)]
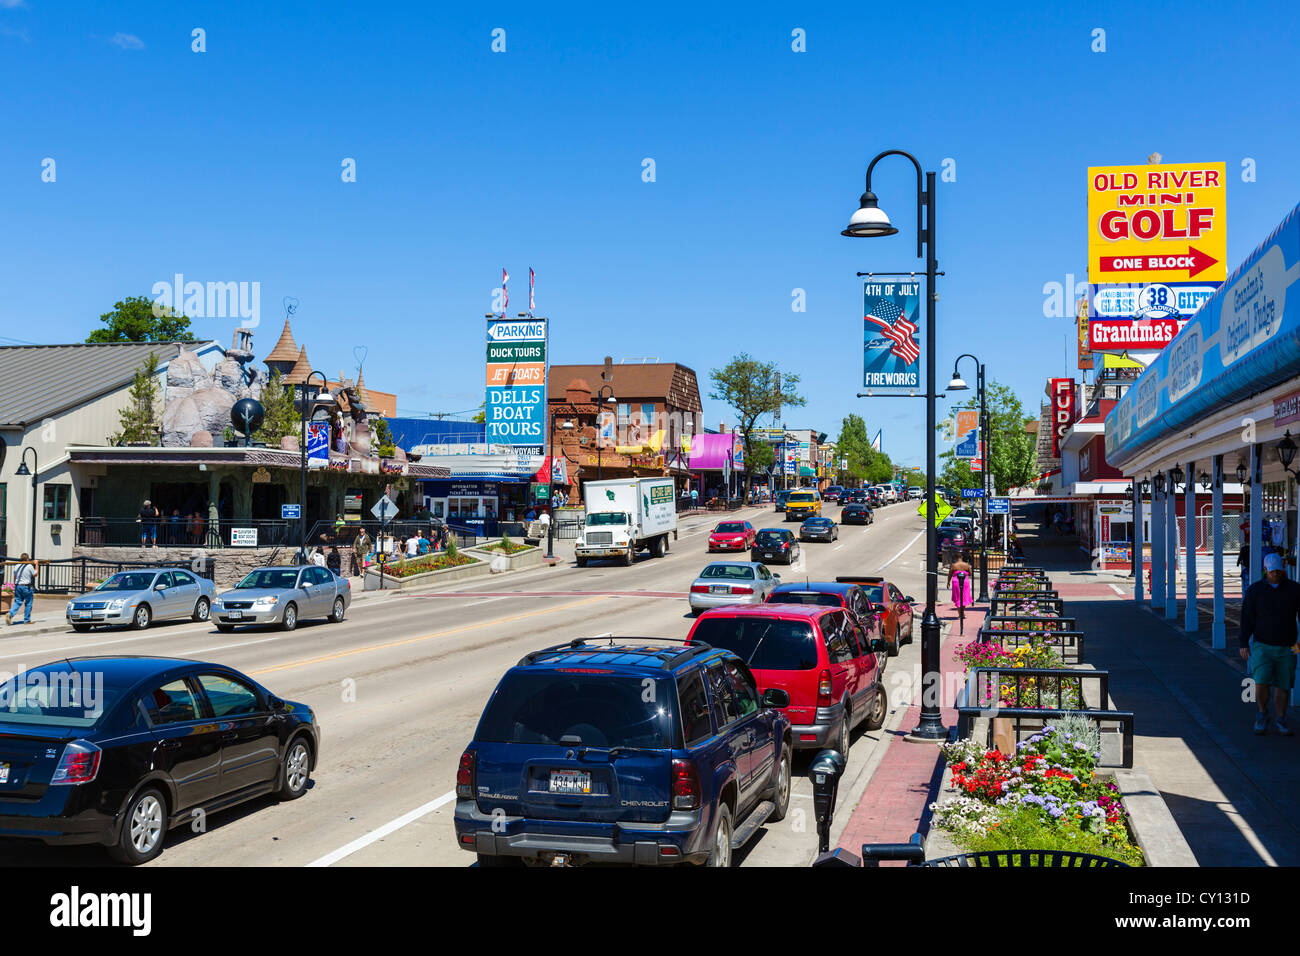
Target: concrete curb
[(1154, 828)]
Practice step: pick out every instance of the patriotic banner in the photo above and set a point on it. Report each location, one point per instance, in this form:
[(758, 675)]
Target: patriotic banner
[(875, 442), (531, 304), (891, 347), (505, 293)]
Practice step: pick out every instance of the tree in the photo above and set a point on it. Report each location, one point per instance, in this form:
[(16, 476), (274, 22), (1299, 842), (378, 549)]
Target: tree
[(139, 419), (135, 320), (865, 464), (1011, 454), (480, 417), (383, 438), (763, 459), (750, 387), (281, 416)]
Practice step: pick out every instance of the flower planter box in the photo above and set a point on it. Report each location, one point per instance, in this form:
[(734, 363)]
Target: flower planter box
[(427, 579), (529, 557)]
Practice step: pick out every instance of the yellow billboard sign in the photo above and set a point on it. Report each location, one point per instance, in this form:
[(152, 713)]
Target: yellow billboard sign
[(1157, 223)]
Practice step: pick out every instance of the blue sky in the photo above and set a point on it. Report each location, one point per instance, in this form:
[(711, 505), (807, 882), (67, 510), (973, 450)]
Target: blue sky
[(225, 166)]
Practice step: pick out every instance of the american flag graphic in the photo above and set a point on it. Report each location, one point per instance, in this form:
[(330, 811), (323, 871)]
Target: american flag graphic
[(505, 293), (531, 304), (897, 329)]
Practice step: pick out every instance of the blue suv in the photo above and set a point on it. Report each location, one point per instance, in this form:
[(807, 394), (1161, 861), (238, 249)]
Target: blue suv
[(623, 753)]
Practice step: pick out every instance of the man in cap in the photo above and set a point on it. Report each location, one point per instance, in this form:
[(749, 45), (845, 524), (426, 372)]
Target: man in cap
[(1268, 614)]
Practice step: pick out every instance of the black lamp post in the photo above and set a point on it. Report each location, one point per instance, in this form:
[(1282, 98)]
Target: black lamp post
[(23, 470), (1286, 450), (869, 222), (601, 399), (957, 385), (304, 411)]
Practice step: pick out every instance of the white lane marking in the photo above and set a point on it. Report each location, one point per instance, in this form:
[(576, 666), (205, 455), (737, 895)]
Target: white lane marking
[(360, 843), (902, 550), (487, 601), (1117, 589), (72, 647), (837, 547), (224, 647)]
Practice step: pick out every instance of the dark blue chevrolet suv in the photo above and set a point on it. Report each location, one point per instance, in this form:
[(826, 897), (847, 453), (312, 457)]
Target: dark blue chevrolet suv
[(623, 753)]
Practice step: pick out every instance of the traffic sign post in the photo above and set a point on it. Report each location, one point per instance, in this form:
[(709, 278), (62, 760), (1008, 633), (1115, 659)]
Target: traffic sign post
[(999, 506)]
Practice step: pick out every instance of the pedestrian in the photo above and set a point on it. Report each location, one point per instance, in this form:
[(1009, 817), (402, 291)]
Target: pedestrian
[(148, 522), (531, 514), (318, 558), (959, 580), (1268, 615), (360, 551), (196, 528), (174, 531), (695, 497), (335, 560), (423, 542), (413, 545), (545, 519), (24, 589)]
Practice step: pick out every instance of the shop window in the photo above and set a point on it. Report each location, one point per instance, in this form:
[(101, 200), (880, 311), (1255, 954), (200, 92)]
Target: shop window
[(624, 414), (56, 502)]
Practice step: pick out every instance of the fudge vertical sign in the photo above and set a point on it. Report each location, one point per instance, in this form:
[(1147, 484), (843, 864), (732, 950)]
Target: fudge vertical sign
[(516, 384), (891, 356)]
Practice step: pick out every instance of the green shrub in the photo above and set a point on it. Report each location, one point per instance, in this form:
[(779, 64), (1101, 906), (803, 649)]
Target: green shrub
[(1026, 829)]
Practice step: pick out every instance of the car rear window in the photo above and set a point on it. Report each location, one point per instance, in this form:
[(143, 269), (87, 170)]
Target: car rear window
[(57, 695), (739, 571), (762, 643), (806, 597), (770, 537), (602, 710), (875, 592), (729, 527)]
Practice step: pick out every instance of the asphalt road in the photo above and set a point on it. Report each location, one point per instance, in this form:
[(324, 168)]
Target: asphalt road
[(399, 686)]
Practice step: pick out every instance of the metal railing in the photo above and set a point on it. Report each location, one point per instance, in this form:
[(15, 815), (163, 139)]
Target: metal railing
[(77, 575), (1002, 606), (93, 532), (1066, 640), (1029, 624), (983, 680)]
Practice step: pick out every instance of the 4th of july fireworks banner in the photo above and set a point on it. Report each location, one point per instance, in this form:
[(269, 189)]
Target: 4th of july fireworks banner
[(891, 356)]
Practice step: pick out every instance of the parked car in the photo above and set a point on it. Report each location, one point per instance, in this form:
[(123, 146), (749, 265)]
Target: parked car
[(893, 610), (875, 498), (138, 598), (283, 596), (820, 656), (855, 513), (803, 503), (778, 500), (965, 525), (732, 536), (950, 538), (775, 544), (833, 493), (731, 582), (167, 738), (819, 529), (623, 753), (915, 494)]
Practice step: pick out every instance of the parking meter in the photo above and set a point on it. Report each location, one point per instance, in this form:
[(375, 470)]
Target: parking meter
[(826, 769)]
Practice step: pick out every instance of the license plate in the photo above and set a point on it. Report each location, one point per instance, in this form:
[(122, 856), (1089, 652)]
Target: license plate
[(720, 589), (4, 773), (570, 781), (235, 615), (768, 554), (85, 614)]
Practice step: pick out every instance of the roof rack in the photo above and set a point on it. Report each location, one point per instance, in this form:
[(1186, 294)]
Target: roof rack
[(590, 643)]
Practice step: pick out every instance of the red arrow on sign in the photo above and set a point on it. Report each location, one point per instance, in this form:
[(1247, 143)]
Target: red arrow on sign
[(1193, 262)]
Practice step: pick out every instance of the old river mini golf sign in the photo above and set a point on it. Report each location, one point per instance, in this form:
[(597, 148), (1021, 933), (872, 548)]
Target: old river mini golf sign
[(891, 348)]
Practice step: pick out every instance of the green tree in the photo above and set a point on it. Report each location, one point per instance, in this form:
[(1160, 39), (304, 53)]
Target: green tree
[(383, 438), (865, 464), (139, 419), (764, 458), (135, 320), (281, 417), (1011, 453), (749, 387)]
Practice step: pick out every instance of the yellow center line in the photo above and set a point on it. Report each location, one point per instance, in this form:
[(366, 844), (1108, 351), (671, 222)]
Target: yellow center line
[(428, 637)]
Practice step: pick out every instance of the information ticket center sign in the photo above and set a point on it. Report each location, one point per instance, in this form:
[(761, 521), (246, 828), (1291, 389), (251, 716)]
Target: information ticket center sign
[(516, 384)]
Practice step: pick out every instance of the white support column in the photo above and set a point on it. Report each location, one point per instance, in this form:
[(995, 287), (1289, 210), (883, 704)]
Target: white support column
[(1256, 521), (1139, 585), (1157, 551), (1171, 549), (1218, 634), (1191, 619)]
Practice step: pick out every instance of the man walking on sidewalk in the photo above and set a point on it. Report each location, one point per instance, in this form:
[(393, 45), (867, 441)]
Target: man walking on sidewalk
[(24, 589), (1268, 614)]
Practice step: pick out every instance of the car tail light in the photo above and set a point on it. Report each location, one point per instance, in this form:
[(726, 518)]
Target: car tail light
[(686, 785), (824, 689), (699, 589), (465, 775), (784, 545), (79, 763), (741, 589)]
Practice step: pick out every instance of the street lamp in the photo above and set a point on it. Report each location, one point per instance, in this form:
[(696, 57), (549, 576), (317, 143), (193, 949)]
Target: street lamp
[(1286, 449), (957, 385), (304, 405), (870, 222), (1241, 471), (23, 471), (1205, 481), (1178, 477), (1146, 487), (601, 399)]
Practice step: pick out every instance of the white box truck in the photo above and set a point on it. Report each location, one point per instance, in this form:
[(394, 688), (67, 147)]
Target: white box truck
[(624, 516)]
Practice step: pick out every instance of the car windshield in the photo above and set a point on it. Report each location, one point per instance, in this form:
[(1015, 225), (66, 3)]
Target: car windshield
[(56, 695), (600, 709), (875, 592), (729, 527), (128, 581), (801, 497), (607, 517), (762, 643), (770, 537), (269, 578), (806, 597), (737, 571)]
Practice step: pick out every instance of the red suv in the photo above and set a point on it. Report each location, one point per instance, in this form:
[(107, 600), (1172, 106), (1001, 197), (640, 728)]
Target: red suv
[(821, 656)]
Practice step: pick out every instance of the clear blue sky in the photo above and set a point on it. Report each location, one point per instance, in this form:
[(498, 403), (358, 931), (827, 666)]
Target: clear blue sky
[(225, 166)]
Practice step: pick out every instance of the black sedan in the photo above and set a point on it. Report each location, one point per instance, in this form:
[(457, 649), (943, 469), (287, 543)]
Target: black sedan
[(774, 544), (857, 514), (118, 750), (818, 529)]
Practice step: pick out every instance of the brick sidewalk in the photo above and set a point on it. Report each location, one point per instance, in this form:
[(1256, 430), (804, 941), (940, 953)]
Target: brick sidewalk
[(907, 779)]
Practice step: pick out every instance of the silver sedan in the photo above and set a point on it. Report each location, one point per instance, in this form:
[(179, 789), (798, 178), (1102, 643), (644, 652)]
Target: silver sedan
[(731, 582), (283, 596), (138, 598)]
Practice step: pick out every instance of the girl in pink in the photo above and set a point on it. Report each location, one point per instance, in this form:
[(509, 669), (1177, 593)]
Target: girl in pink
[(959, 578)]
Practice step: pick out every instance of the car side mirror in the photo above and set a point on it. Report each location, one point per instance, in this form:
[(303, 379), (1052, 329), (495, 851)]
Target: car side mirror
[(276, 703), (879, 645), (776, 577), (160, 587), (774, 697)]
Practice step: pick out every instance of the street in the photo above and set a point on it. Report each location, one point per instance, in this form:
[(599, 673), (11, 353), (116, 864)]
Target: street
[(399, 686)]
